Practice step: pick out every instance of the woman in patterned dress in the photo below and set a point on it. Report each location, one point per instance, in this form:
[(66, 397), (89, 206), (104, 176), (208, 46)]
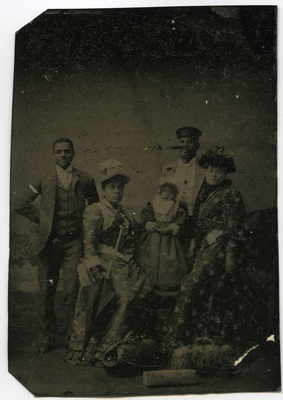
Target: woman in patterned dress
[(215, 299)]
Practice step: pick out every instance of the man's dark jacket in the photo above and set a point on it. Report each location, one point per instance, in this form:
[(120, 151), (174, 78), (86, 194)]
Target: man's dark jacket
[(83, 188)]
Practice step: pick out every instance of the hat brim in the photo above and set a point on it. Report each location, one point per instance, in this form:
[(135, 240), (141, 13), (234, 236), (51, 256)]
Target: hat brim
[(123, 177)]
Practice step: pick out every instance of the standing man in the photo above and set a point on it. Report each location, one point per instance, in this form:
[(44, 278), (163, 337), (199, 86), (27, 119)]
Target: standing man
[(58, 234), (188, 177)]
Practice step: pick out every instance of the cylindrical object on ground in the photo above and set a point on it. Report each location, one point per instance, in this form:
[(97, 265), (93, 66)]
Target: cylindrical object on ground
[(141, 355), (170, 377)]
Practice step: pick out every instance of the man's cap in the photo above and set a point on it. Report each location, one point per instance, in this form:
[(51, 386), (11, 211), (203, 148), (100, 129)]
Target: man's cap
[(188, 131)]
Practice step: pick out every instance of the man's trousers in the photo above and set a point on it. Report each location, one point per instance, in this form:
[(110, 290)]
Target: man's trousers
[(61, 252)]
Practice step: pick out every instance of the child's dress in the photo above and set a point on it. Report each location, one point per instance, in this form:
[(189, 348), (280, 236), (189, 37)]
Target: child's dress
[(159, 250)]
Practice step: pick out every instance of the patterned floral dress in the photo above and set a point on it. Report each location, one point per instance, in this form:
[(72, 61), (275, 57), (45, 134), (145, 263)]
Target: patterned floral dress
[(113, 288), (211, 302)]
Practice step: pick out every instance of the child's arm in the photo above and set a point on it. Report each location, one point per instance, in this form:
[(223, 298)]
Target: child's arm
[(181, 215), (148, 220)]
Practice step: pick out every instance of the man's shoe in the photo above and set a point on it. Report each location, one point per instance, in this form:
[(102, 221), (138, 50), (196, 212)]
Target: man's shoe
[(45, 347)]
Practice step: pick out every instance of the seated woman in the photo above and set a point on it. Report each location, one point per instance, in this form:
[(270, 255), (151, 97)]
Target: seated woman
[(113, 301), (215, 300)]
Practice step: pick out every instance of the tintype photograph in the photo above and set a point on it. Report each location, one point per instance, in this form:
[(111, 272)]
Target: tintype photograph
[(143, 224)]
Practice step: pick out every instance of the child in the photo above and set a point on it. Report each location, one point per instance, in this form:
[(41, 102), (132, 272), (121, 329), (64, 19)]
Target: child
[(159, 249)]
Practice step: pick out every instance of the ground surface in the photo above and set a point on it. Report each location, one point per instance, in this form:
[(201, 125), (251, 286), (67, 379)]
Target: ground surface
[(49, 375)]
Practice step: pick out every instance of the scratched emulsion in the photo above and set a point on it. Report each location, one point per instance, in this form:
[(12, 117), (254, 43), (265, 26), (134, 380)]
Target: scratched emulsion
[(119, 83)]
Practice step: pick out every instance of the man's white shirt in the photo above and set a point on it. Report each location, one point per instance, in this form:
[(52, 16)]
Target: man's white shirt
[(65, 175), (185, 177)]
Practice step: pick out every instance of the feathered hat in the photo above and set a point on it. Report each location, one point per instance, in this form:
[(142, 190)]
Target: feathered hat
[(112, 168), (214, 157)]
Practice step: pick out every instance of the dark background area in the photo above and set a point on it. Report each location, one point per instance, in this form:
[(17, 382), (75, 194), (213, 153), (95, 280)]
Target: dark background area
[(119, 83)]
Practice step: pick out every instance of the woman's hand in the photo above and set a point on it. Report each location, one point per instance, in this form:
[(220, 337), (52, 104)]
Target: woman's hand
[(230, 263), (97, 267), (98, 272), (174, 228), (150, 226), (213, 236)]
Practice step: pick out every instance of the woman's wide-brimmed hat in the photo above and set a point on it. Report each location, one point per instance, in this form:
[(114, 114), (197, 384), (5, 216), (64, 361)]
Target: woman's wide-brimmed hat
[(110, 169), (214, 157)]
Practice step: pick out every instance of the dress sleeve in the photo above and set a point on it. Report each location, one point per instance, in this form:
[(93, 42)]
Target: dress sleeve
[(147, 214), (200, 229), (92, 223), (234, 217), (181, 214)]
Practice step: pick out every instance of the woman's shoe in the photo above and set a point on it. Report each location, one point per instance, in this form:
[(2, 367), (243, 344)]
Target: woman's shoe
[(73, 357)]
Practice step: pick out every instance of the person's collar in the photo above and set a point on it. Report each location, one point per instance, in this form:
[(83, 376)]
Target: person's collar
[(160, 205), (109, 205), (191, 162), (62, 170)]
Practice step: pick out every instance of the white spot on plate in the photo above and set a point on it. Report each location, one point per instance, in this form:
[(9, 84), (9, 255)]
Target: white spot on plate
[(270, 338), (244, 355), (33, 189)]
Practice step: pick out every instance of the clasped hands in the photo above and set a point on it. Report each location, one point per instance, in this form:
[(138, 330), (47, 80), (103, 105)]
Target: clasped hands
[(163, 229)]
